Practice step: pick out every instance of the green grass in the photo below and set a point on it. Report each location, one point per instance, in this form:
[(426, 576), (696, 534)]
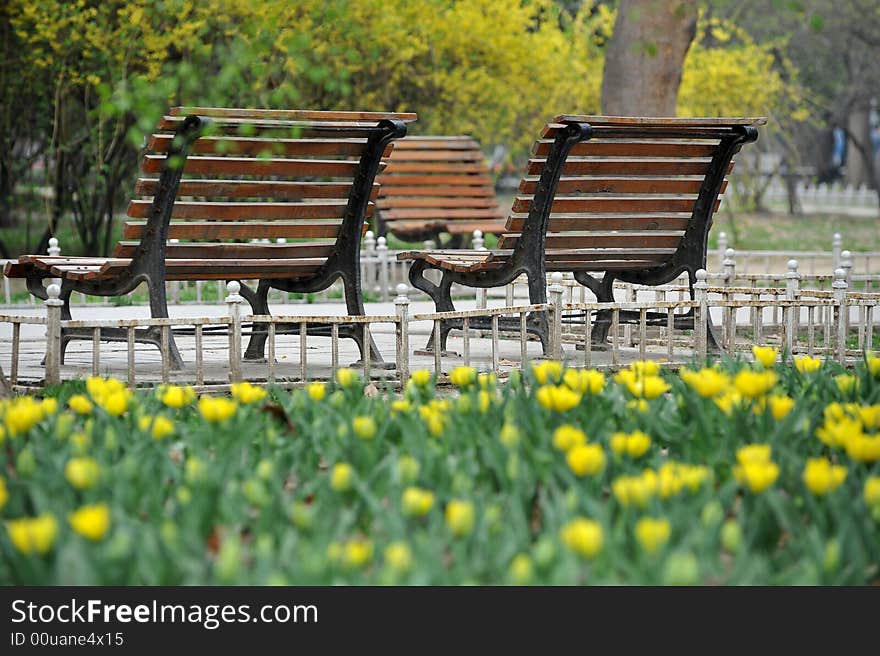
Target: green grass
[(812, 232)]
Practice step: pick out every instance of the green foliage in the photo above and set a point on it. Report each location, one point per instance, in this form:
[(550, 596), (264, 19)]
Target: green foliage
[(93, 77), (703, 477)]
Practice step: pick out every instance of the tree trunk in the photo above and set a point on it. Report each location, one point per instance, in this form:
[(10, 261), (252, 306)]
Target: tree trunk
[(859, 154), (644, 57)]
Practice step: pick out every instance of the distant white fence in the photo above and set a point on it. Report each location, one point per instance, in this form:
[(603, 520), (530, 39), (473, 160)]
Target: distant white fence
[(812, 197)]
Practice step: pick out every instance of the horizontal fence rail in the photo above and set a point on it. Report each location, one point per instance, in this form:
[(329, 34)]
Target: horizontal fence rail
[(666, 325)]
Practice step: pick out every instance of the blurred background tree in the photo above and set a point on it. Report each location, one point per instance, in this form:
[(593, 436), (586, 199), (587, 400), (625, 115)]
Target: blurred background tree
[(83, 81)]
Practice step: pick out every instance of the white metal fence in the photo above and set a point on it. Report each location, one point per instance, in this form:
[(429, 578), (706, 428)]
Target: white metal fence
[(837, 323)]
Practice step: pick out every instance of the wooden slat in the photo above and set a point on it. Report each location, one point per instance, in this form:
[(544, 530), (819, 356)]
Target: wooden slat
[(441, 213), (410, 179), (255, 147), (17, 269), (278, 189), (628, 240), (571, 185), (291, 114), (277, 129), (390, 188), (436, 156), (466, 227), (435, 167), (436, 201), (626, 167), (139, 209), (234, 251), (675, 121), (425, 143), (611, 205), (210, 230), (632, 148), (248, 166), (605, 223), (213, 269)]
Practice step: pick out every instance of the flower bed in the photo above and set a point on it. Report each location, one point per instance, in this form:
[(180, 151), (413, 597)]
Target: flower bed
[(740, 473)]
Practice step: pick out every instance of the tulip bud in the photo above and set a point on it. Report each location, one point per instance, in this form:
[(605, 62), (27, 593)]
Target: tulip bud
[(731, 536)]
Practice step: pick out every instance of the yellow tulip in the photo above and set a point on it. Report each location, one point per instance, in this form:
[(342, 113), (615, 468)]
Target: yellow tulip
[(92, 522), (821, 477), (766, 355), (586, 460), (583, 536), (652, 534)]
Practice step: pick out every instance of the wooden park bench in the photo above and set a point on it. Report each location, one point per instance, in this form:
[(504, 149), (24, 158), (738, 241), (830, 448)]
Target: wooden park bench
[(217, 180), (436, 185), (605, 198)]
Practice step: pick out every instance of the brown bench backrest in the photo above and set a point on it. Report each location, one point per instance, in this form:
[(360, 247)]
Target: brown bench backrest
[(436, 179), (274, 175), (626, 196)]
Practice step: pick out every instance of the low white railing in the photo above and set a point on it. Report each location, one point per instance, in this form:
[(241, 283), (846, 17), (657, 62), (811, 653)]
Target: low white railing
[(836, 323)]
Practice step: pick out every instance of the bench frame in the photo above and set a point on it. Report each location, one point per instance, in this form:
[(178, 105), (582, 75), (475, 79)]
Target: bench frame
[(148, 264), (528, 254)]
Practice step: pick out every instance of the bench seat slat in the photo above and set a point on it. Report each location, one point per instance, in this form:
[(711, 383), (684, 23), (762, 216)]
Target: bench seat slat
[(648, 239), (213, 230), (276, 189), (443, 213), (392, 189), (609, 148), (436, 202), (451, 156), (139, 209), (289, 114), (255, 147), (256, 166), (446, 143), (627, 167), (564, 223), (583, 205), (205, 250), (435, 167), (624, 184)]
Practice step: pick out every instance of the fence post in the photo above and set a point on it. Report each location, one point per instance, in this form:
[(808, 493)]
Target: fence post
[(792, 291), (53, 334), (478, 240), (401, 306), (233, 302), (846, 263), (382, 252), (839, 286), (722, 248), (54, 250), (701, 296), (728, 266), (369, 255), (836, 245), (482, 292), (556, 291)]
